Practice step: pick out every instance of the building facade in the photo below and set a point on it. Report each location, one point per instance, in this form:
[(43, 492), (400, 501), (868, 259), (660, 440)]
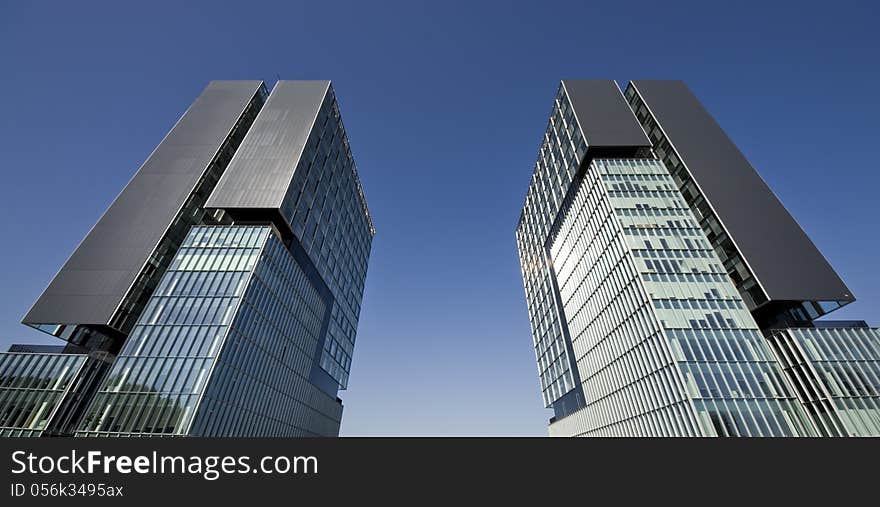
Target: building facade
[(234, 313), (648, 318)]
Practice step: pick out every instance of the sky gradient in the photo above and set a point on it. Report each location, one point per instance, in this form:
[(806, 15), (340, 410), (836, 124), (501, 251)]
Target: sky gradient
[(445, 104)]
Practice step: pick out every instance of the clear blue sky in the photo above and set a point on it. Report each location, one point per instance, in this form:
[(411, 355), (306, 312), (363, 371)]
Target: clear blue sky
[(445, 103)]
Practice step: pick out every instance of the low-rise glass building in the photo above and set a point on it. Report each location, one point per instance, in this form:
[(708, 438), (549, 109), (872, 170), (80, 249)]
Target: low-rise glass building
[(835, 371), (43, 389)]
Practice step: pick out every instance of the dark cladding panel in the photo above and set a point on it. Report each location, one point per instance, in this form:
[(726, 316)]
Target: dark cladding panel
[(785, 262), (261, 171), (96, 277), (604, 116)]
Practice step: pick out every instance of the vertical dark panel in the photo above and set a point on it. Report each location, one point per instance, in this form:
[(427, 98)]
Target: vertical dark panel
[(95, 279), (787, 265), (603, 115), (260, 174)]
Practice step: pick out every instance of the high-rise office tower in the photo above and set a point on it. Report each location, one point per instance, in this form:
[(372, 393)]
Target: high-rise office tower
[(661, 304), (221, 290)]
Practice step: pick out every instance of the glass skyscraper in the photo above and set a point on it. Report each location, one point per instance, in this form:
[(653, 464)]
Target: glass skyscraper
[(243, 296), (646, 320)]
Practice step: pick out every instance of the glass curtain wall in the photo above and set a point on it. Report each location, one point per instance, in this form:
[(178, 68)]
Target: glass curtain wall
[(836, 373), (225, 347), (663, 341), (32, 387), (161, 372), (561, 150)]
